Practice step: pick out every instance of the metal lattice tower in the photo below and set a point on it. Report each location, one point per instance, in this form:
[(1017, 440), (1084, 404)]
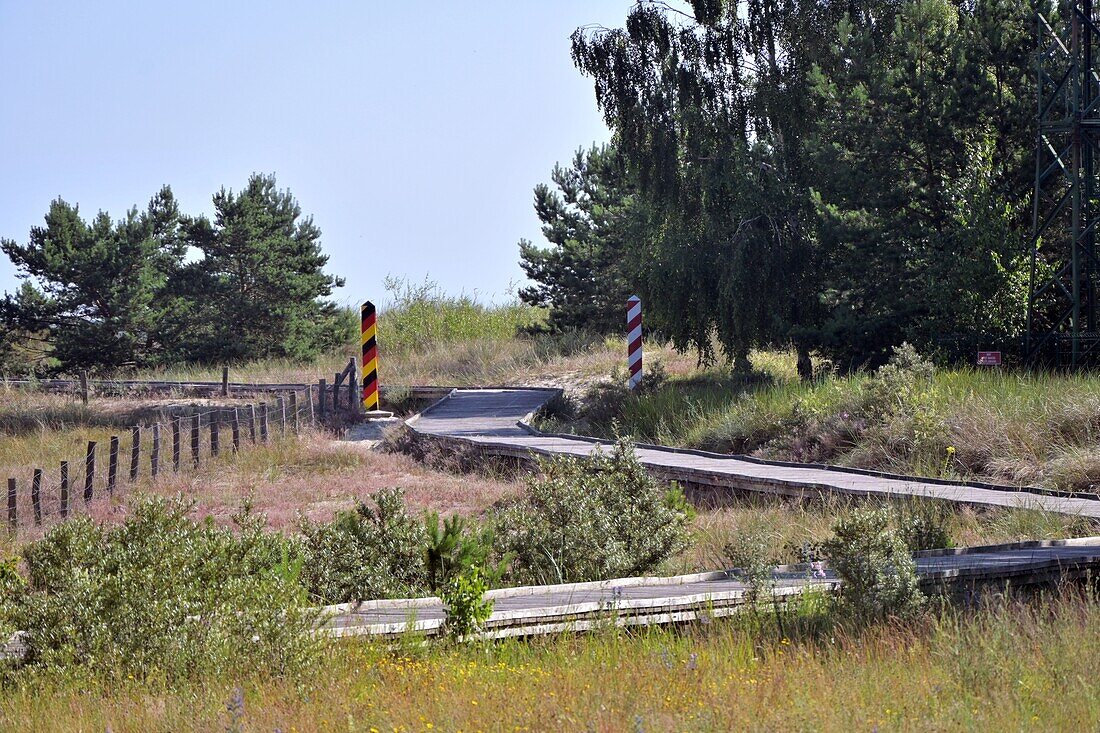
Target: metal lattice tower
[(1062, 326)]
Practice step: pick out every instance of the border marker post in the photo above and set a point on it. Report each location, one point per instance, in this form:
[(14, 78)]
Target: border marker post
[(634, 341), (369, 333)]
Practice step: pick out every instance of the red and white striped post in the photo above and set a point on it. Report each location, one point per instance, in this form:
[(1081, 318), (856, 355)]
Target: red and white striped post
[(634, 340)]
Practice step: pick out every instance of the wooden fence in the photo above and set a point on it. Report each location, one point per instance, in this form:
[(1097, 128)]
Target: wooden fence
[(184, 439)]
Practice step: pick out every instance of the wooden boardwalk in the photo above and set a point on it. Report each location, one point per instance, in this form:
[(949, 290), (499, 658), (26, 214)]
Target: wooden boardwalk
[(496, 422), (539, 610)]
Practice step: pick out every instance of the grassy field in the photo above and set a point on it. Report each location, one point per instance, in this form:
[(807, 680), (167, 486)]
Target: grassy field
[(1009, 666), (1016, 664)]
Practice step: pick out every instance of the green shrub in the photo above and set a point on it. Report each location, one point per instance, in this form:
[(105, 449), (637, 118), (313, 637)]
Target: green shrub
[(923, 525), (463, 597), (877, 572), (591, 519), (751, 552), (370, 552), (454, 547), (12, 587), (161, 595)]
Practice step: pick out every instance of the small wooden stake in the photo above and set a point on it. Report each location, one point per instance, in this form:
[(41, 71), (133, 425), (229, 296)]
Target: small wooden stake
[(195, 439), (154, 457), (322, 398), (89, 471), (252, 423), (263, 422), (294, 412), (176, 421), (112, 466), (281, 405), (135, 452), (12, 518), (225, 381), (84, 387), (36, 496), (215, 433), (236, 425), (64, 489)]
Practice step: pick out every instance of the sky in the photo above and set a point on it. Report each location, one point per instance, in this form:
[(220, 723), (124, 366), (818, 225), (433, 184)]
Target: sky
[(413, 132)]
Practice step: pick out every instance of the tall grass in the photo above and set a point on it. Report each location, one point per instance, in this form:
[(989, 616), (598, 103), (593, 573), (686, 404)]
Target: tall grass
[(1009, 665), (1012, 427)]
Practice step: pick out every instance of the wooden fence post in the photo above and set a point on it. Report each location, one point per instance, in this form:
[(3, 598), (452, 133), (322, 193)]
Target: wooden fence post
[(353, 398), (225, 381), (135, 452), (309, 399), (36, 496), (263, 422), (236, 425), (336, 380), (112, 466), (176, 423), (215, 433), (89, 472), (252, 423), (322, 396), (84, 387), (281, 405), (154, 456), (195, 439), (12, 518), (64, 489), (294, 412)]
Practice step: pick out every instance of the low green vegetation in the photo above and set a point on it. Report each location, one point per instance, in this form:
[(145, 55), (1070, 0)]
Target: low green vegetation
[(1003, 664), (906, 417), (590, 520)]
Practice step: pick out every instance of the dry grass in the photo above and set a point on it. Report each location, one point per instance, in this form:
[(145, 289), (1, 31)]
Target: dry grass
[(310, 476), (790, 527), (1010, 666)]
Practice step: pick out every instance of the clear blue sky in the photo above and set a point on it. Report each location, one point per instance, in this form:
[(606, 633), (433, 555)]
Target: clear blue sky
[(413, 132)]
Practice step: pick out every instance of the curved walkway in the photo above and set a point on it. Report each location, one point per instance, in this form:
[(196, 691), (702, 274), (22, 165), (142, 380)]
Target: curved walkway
[(495, 421)]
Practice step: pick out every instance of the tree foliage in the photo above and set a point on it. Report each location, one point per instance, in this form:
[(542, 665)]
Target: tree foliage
[(107, 294), (839, 176), (589, 221)]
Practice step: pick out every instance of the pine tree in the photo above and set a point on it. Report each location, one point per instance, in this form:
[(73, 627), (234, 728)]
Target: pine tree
[(258, 290), (100, 282), (590, 221)]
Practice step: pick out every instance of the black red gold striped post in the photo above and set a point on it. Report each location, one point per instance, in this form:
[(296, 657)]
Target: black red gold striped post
[(370, 357)]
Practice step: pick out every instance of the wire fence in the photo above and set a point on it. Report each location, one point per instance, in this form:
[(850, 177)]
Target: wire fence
[(182, 439)]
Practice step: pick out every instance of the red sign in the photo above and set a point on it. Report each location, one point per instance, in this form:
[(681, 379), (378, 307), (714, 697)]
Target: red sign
[(989, 358)]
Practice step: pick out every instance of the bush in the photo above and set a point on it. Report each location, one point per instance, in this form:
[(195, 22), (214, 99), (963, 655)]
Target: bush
[(369, 552), (877, 572), (751, 552), (591, 519), (922, 525), (454, 547), (161, 595), (464, 601)]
